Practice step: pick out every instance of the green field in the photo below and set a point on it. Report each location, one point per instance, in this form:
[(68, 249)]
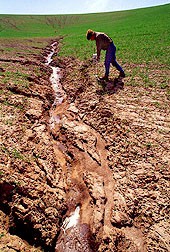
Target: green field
[(141, 35)]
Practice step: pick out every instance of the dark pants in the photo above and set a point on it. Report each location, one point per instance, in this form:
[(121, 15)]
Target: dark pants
[(111, 58)]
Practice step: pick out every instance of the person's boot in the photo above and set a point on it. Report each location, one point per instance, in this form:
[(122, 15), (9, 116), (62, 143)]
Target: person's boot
[(122, 74), (104, 78)]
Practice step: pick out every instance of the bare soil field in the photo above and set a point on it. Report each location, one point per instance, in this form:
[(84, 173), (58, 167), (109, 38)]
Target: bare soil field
[(100, 154)]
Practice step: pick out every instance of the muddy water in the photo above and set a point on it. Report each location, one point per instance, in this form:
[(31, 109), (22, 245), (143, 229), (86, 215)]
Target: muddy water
[(55, 81)]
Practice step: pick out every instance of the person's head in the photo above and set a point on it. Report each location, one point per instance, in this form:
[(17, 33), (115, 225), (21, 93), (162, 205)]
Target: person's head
[(90, 34)]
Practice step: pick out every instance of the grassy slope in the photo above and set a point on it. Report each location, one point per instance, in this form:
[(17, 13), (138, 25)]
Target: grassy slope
[(141, 35), (138, 34)]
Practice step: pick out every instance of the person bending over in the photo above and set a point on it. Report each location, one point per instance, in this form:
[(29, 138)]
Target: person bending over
[(104, 42)]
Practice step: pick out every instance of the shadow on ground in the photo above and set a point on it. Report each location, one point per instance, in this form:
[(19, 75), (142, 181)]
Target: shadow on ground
[(111, 86)]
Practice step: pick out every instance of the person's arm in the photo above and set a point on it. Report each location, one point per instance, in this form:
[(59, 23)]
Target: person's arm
[(98, 50)]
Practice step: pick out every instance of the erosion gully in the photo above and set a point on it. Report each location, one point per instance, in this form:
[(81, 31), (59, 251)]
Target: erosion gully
[(82, 218), (89, 181)]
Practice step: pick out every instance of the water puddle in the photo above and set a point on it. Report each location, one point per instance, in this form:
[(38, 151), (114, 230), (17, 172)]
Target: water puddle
[(72, 220)]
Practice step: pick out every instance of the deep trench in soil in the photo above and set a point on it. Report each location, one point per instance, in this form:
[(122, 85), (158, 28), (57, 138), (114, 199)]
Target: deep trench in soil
[(90, 162)]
